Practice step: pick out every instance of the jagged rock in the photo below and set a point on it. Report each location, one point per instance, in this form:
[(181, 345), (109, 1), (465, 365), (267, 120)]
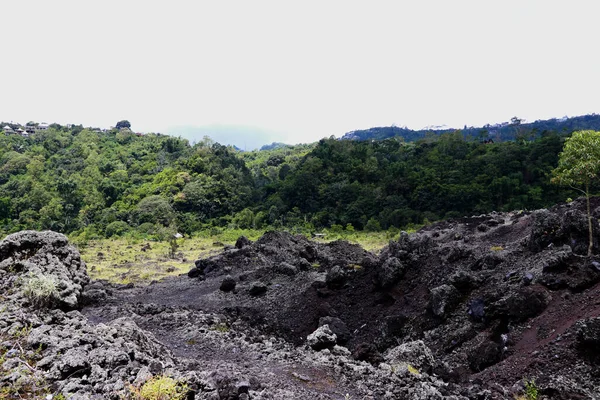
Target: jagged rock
[(462, 281), (574, 231), (545, 229), (476, 309), (303, 264), (588, 334), (367, 352), (242, 242), (195, 272), (489, 261), (207, 265), (524, 303), (390, 272), (45, 255), (309, 253), (257, 289), (227, 284), (321, 338), (557, 260), (484, 354), (286, 269), (414, 353), (335, 277), (456, 252), (527, 278), (338, 327), (443, 299)]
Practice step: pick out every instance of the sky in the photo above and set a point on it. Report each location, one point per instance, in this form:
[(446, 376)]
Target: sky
[(254, 72)]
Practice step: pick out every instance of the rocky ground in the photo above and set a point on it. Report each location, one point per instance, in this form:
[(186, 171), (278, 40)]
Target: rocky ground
[(476, 308)]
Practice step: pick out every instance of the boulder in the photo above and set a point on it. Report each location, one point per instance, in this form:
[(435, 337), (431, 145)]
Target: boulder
[(545, 229), (367, 352), (286, 269), (483, 354), (527, 302), (257, 289), (43, 260), (414, 353), (390, 272), (195, 273), (322, 338), (227, 284), (242, 242), (588, 334), (338, 327), (335, 277), (476, 309), (443, 300)]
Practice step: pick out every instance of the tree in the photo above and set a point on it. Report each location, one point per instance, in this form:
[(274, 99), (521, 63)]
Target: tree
[(579, 166), (123, 124)]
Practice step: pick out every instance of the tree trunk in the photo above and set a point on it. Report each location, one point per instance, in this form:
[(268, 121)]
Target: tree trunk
[(589, 213)]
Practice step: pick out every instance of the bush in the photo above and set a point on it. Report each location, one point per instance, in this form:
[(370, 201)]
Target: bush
[(147, 228), (372, 225), (116, 228), (41, 290), (159, 388)]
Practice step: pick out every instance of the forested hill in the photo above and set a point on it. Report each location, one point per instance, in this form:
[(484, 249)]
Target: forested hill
[(104, 183), (514, 130)]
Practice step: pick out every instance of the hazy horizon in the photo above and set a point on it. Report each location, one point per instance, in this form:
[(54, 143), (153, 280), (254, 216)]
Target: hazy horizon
[(297, 72)]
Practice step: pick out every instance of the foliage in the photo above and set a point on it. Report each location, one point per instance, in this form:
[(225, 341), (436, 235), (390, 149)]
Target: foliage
[(116, 228), (92, 184), (579, 166), (579, 162), (41, 290), (123, 124), (531, 390), (159, 387)]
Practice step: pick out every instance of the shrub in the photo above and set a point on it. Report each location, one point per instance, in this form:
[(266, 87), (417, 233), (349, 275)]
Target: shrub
[(41, 290), (116, 228), (531, 390), (372, 225), (159, 388)]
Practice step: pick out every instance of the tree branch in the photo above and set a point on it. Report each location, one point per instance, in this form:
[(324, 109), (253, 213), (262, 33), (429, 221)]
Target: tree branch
[(582, 191)]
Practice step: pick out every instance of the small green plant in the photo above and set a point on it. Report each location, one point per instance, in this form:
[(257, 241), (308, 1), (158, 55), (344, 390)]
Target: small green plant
[(531, 390), (497, 248), (41, 290), (412, 369), (159, 388), (220, 327)]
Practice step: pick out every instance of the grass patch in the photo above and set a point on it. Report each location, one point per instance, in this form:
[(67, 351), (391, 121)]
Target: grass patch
[(40, 290), (159, 388), (133, 260)]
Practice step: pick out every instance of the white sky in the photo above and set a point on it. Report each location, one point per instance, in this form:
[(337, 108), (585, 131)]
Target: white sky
[(302, 70)]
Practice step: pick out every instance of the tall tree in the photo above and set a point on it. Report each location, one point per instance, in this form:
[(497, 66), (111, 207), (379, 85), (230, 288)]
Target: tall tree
[(123, 124), (579, 166)]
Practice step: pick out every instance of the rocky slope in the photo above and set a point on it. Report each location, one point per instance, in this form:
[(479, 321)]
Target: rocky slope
[(467, 309)]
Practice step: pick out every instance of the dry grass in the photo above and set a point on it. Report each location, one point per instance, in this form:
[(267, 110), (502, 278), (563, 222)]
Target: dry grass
[(128, 260)]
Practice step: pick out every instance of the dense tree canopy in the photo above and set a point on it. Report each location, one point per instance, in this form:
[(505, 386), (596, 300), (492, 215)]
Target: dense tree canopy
[(89, 182), (123, 124)]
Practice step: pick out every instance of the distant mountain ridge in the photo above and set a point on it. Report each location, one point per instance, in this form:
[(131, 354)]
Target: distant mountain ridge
[(499, 132)]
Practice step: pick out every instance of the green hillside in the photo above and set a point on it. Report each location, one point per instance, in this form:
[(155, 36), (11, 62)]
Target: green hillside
[(97, 183)]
